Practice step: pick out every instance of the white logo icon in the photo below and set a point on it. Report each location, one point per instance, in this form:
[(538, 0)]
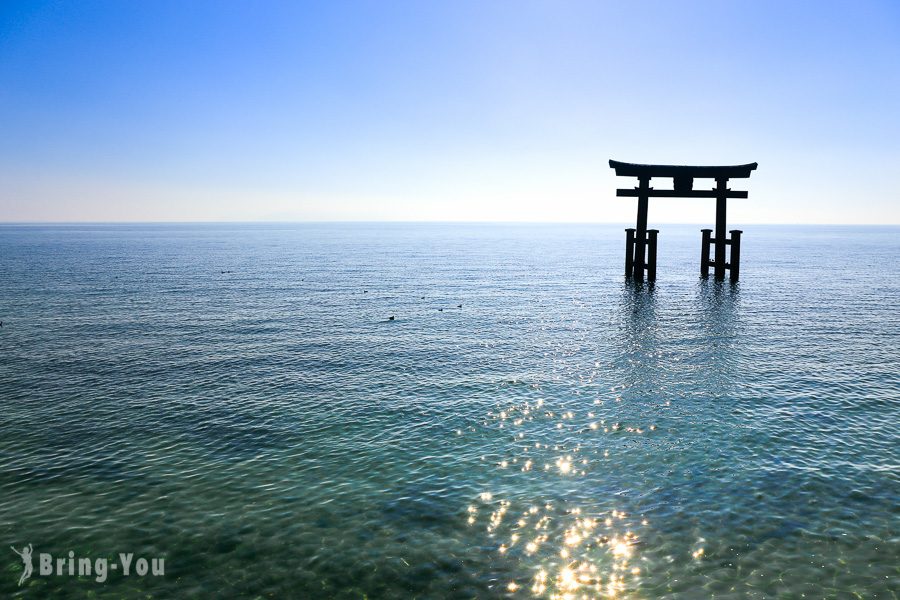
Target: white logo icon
[(26, 562)]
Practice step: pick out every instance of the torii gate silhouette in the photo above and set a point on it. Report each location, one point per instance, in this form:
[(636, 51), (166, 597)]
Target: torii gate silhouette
[(640, 249)]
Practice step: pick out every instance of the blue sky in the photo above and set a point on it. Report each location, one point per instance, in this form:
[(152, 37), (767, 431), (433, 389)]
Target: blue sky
[(168, 111)]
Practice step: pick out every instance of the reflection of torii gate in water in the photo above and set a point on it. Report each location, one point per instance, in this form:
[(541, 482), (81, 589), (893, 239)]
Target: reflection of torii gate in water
[(640, 249)]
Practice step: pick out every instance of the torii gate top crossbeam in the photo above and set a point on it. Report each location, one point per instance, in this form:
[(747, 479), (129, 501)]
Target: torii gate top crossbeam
[(624, 169)]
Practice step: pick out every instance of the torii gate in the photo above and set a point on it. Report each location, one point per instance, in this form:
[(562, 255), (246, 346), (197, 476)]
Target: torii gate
[(640, 249)]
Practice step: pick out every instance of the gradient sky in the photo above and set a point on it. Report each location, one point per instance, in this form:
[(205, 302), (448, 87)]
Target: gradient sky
[(485, 110)]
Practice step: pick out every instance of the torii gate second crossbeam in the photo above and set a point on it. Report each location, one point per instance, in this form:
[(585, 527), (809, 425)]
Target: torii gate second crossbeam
[(640, 250)]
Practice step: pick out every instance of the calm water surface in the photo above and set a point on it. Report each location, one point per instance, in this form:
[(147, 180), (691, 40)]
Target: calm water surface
[(233, 398)]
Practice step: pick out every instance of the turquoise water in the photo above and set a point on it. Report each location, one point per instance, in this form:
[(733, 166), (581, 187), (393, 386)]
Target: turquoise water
[(233, 398)]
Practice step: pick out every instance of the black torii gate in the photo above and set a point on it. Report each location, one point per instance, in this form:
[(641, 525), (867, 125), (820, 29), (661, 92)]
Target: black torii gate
[(640, 248)]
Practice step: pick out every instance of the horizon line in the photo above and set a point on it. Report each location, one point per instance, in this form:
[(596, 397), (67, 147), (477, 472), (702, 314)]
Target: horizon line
[(385, 221)]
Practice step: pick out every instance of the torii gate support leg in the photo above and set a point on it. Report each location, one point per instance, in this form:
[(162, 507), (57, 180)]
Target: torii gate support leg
[(629, 252), (704, 252), (734, 268)]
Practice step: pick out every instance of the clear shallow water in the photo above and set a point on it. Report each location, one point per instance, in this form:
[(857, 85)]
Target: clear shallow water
[(234, 399)]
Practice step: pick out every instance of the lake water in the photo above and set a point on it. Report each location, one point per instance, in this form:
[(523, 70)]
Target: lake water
[(233, 398)]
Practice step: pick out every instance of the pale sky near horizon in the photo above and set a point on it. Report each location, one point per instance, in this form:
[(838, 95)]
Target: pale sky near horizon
[(484, 110)]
